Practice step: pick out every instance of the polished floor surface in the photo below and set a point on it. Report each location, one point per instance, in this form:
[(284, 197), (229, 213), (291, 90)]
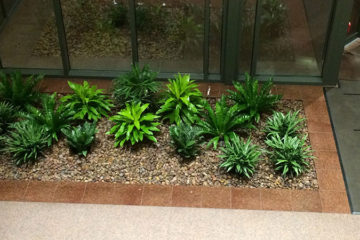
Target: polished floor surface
[(86, 221)]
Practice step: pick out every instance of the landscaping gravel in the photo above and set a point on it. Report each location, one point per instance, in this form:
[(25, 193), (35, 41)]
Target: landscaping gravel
[(155, 163)]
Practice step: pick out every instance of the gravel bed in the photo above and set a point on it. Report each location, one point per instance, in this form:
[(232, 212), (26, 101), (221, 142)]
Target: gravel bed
[(155, 163)]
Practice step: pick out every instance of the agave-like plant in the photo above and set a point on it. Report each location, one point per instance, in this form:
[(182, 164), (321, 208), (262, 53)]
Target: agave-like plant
[(53, 118), (221, 123), (132, 124), (253, 99), (183, 100), (284, 124), (87, 102), (8, 115)]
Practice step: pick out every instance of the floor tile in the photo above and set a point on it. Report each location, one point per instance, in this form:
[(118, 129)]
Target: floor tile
[(306, 201), (312, 92), (319, 123), (12, 190), (69, 192), (157, 195), (216, 197), (245, 198), (38, 191), (322, 141), (330, 179), (315, 107), (276, 199), (327, 160), (186, 196), (334, 202), (289, 92), (99, 193), (127, 194)]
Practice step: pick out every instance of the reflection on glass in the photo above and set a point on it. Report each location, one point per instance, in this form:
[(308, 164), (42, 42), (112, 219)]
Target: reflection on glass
[(355, 18), (98, 34), (216, 9), (292, 36), (29, 39), (247, 18), (170, 34)]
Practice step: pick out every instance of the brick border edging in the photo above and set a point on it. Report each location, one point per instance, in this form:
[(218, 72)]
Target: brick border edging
[(331, 196)]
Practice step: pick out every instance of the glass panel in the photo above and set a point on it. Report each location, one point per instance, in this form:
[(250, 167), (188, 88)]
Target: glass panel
[(247, 18), (170, 34), (29, 39), (9, 4), (98, 34), (293, 36), (216, 8)]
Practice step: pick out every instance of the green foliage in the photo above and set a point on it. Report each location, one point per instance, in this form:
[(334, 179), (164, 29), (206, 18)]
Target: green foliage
[(273, 17), (87, 102), (242, 157), (290, 154), (221, 123), (186, 139), (253, 99), (81, 137), (282, 124), (189, 33), (132, 124), (183, 100), (137, 85), (53, 118), (8, 115), (25, 142), (118, 15), (18, 91)]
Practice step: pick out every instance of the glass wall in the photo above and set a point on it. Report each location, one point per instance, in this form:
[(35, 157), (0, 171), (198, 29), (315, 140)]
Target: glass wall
[(98, 34), (216, 12), (171, 34), (293, 37), (29, 39), (355, 18)]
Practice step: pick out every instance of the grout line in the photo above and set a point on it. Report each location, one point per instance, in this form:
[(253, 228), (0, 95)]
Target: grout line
[(25, 191), (142, 194), (54, 192)]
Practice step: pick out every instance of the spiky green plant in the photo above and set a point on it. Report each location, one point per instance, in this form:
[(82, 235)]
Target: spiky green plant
[(221, 123), (8, 115), (186, 139), (25, 141), (183, 100), (132, 124), (138, 85), (239, 156), (253, 98), (81, 137), (290, 154), (282, 124), (53, 118), (87, 102), (19, 91)]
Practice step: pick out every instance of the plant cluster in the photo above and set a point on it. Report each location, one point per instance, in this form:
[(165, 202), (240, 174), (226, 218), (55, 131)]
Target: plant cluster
[(19, 91), (52, 118), (221, 123), (241, 157), (87, 102), (132, 124), (186, 139), (81, 137), (8, 115), (253, 98), (284, 124), (139, 85), (290, 154), (25, 142), (183, 100)]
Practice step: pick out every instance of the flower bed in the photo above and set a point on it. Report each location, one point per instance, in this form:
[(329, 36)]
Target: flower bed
[(134, 145), (155, 163)]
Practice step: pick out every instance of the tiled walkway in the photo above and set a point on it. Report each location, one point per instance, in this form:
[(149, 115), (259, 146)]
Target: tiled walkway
[(330, 197), (37, 221)]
